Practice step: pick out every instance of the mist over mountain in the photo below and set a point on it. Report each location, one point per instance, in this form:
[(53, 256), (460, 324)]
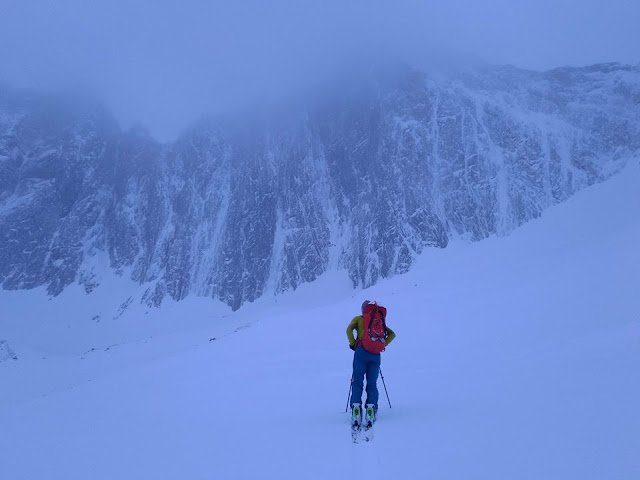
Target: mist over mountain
[(361, 177)]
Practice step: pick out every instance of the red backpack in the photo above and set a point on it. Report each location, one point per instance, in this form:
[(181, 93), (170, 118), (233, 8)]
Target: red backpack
[(375, 330)]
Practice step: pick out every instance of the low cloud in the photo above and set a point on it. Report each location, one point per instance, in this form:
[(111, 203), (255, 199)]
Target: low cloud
[(163, 63)]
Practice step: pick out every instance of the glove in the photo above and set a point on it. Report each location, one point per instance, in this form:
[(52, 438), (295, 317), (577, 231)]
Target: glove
[(352, 346)]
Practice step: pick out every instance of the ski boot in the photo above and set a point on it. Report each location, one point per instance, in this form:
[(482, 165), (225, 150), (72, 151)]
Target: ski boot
[(370, 415), (356, 415)]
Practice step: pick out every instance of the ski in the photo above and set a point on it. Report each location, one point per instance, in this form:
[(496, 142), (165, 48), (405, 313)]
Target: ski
[(370, 420), (362, 432), (356, 422), (355, 433), (368, 432)]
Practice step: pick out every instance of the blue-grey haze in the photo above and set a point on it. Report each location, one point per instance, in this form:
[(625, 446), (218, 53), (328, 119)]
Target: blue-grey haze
[(162, 63)]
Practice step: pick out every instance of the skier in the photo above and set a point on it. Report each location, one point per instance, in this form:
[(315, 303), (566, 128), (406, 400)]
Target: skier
[(372, 337)]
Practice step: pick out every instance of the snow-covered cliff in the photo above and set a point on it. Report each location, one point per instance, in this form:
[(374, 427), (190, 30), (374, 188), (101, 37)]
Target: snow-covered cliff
[(360, 177)]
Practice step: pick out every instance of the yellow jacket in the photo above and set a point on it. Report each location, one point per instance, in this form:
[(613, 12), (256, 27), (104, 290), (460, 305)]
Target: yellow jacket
[(358, 324)]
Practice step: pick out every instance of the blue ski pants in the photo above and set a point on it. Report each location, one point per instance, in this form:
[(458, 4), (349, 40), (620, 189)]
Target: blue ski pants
[(365, 364)]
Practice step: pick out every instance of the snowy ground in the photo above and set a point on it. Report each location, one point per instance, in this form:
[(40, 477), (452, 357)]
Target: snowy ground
[(516, 358)]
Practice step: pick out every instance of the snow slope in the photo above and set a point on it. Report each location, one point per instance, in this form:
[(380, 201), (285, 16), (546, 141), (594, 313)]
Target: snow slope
[(516, 358)]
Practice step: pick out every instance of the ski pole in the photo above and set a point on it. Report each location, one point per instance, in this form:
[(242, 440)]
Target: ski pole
[(385, 388), (349, 396)]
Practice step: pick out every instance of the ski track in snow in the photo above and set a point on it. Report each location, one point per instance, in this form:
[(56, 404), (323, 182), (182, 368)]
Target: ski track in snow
[(516, 358)]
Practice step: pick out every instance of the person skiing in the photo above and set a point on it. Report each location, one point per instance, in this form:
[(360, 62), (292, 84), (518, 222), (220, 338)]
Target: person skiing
[(372, 337)]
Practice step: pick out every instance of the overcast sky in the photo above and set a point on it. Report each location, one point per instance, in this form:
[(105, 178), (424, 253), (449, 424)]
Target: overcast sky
[(162, 63)]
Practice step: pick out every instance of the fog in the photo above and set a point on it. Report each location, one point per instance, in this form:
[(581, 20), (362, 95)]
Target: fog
[(163, 63)]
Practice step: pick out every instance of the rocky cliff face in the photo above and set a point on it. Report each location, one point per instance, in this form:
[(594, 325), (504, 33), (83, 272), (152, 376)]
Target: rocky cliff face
[(362, 177)]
